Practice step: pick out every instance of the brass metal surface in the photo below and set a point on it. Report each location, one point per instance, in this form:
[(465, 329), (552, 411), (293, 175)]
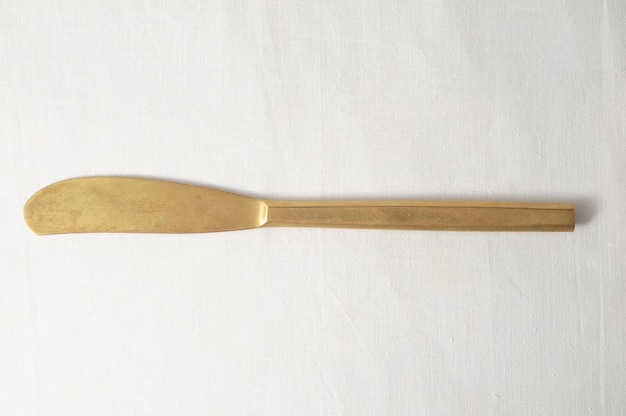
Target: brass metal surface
[(126, 205)]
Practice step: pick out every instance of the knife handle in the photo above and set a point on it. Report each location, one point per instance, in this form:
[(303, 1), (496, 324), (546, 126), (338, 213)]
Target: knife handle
[(423, 215)]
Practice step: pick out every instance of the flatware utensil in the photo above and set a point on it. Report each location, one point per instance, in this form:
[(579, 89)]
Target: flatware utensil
[(134, 205)]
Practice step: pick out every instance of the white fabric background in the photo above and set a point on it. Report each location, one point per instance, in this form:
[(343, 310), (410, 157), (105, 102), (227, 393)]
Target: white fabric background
[(518, 100)]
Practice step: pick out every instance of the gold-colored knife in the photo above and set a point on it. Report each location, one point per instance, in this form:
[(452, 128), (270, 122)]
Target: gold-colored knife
[(134, 205)]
